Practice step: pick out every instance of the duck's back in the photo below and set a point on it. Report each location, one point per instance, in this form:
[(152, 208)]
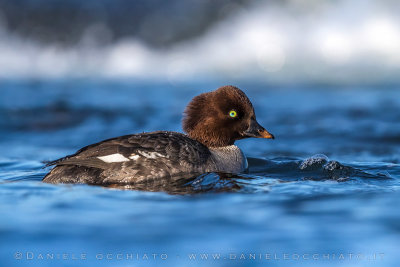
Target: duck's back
[(131, 159)]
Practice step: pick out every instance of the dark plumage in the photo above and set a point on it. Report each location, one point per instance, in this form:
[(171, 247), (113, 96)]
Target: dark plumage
[(179, 153), (206, 117), (213, 121)]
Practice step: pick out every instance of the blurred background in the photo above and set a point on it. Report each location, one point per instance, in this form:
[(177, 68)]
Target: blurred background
[(276, 41)]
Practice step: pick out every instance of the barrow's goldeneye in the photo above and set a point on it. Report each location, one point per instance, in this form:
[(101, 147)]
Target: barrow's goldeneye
[(213, 122)]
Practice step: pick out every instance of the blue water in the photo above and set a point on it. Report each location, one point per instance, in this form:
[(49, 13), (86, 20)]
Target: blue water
[(326, 192)]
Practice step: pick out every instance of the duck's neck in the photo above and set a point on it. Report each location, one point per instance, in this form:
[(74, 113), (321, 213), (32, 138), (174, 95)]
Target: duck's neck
[(229, 159)]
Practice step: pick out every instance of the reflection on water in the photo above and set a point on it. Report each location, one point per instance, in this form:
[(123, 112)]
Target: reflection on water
[(282, 170), (212, 182)]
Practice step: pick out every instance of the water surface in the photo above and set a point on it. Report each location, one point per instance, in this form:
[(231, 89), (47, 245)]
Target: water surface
[(327, 187)]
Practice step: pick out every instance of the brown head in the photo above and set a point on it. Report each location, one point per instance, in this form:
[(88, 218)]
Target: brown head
[(221, 117)]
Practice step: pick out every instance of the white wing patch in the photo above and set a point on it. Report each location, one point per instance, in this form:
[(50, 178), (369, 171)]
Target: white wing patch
[(113, 158), (120, 158), (134, 157), (149, 155)]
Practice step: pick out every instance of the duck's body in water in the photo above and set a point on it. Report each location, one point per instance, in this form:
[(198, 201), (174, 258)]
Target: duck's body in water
[(213, 122)]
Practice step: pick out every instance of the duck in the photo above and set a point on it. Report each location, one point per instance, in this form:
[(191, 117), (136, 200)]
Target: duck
[(212, 122)]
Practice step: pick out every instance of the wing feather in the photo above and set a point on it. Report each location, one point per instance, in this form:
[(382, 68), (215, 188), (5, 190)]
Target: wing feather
[(176, 148)]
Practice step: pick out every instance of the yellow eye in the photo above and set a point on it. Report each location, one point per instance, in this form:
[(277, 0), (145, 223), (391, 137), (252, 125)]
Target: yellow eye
[(233, 114)]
